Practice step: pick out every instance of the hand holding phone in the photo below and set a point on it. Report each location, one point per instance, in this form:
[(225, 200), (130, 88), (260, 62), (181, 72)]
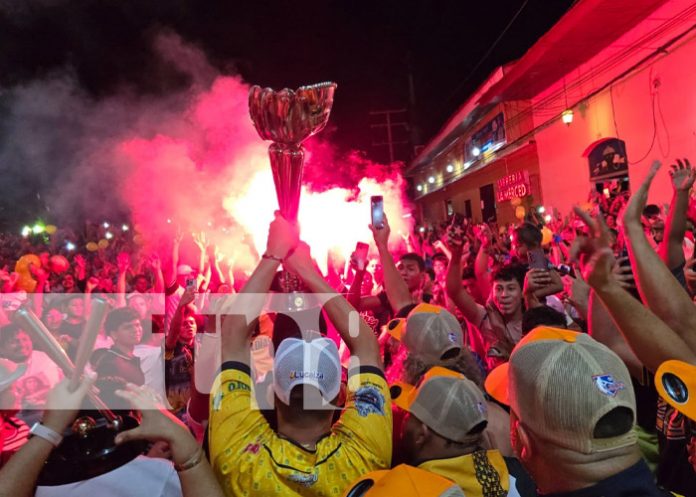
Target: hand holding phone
[(537, 259), (359, 257)]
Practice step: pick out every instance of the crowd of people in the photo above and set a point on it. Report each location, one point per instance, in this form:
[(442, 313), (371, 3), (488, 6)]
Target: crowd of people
[(554, 356)]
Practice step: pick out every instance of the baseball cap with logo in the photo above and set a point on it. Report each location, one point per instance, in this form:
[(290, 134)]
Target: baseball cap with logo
[(560, 384), (312, 360), (446, 402), (429, 332), (404, 481), (676, 383)]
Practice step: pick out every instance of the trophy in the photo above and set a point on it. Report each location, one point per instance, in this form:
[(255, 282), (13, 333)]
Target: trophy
[(288, 118)]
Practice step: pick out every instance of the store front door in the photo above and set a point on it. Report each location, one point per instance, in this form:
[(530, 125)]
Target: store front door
[(488, 203)]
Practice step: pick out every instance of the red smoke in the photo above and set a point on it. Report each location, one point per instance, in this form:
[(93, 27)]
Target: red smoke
[(210, 172)]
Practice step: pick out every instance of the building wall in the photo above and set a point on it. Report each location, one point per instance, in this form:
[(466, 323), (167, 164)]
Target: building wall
[(467, 188), (432, 204), (624, 111)]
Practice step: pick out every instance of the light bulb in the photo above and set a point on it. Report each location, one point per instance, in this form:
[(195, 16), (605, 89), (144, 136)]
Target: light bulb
[(567, 116)]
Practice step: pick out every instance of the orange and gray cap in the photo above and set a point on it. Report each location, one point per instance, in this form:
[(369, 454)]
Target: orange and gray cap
[(429, 332), (560, 383), (446, 402)]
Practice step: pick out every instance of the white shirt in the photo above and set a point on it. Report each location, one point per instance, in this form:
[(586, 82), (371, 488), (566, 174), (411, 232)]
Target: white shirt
[(142, 477), (152, 365)]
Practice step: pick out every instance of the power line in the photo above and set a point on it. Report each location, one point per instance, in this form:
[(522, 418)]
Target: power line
[(489, 51)]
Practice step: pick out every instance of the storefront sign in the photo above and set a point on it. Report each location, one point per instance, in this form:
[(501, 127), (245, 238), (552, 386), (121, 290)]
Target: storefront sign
[(515, 185)]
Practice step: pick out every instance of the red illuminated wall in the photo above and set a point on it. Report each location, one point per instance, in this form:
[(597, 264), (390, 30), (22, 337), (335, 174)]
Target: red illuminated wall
[(624, 111)]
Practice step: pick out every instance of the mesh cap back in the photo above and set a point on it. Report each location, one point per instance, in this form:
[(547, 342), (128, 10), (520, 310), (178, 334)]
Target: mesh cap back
[(560, 389), (313, 361), (446, 402), (431, 332)]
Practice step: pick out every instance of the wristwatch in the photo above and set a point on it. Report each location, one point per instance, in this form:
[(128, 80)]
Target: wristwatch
[(46, 433)]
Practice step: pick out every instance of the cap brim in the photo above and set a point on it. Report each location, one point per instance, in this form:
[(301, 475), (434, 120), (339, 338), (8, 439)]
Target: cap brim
[(396, 328), (401, 394), (676, 383), (496, 384), (404, 481)]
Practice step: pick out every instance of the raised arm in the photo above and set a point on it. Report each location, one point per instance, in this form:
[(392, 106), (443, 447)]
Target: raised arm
[(657, 286), (172, 334), (196, 475), (283, 237), (472, 311), (683, 176), (18, 477), (170, 269), (603, 329), (357, 335), (482, 260), (123, 263), (156, 264), (395, 286), (652, 341)]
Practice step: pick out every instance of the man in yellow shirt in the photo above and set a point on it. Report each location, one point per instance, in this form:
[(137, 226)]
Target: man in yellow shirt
[(307, 454)]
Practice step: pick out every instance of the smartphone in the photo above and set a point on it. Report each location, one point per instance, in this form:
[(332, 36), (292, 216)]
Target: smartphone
[(377, 204), (361, 250), (190, 283), (537, 259)]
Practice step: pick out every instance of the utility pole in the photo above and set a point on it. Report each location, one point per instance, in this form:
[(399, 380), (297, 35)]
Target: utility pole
[(390, 120)]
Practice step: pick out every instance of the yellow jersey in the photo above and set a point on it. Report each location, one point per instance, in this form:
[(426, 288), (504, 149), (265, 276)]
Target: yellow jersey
[(250, 459)]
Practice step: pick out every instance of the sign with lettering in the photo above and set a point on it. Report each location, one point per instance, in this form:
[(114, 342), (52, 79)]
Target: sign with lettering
[(515, 185)]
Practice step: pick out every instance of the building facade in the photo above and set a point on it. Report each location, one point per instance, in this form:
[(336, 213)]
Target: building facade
[(586, 109)]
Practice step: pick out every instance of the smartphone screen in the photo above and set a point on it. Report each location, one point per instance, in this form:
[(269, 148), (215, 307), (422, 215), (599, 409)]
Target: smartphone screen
[(537, 259), (361, 251), (377, 204)]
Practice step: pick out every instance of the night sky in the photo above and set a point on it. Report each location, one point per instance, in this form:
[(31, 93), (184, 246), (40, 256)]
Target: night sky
[(368, 48)]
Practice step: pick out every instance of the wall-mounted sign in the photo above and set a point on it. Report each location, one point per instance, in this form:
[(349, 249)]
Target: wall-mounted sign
[(490, 136), (515, 185), (607, 159)]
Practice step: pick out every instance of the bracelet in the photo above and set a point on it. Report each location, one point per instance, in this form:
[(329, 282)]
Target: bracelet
[(46, 433), (272, 257), (192, 461)]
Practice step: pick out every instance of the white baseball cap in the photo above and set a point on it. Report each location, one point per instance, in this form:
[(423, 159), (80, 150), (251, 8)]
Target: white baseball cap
[(313, 361)]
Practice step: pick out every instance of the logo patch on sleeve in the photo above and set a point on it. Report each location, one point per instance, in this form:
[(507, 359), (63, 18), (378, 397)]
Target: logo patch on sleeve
[(369, 400), (606, 384)]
